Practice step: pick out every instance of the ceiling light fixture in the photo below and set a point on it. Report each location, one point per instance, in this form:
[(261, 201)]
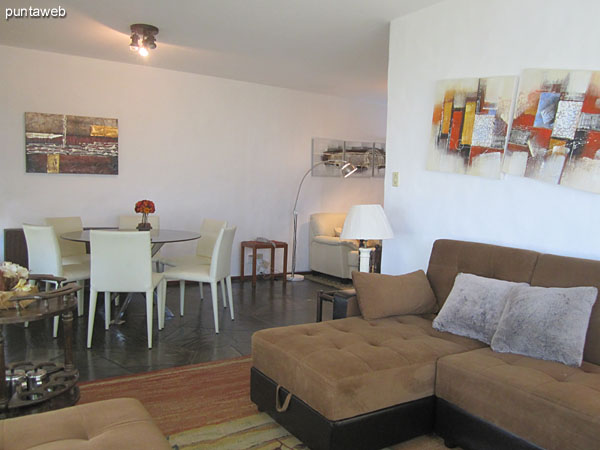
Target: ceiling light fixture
[(143, 38)]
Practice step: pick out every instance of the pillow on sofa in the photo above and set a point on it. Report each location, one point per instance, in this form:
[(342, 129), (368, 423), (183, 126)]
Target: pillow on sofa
[(474, 306), (393, 295), (546, 323)]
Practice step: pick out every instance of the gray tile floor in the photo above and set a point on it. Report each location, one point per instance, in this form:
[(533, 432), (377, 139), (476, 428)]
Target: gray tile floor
[(185, 340)]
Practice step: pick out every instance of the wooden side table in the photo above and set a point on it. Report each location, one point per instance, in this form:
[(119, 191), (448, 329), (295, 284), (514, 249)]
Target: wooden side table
[(256, 245)]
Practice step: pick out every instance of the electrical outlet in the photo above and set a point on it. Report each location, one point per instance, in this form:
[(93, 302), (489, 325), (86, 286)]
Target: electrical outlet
[(395, 179)]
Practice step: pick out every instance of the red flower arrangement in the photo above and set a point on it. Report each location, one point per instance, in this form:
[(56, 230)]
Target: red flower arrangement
[(145, 207)]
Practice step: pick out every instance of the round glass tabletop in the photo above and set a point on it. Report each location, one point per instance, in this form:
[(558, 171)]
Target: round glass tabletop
[(160, 236)]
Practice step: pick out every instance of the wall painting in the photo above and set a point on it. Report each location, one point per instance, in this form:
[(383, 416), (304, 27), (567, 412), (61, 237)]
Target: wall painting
[(59, 143), (555, 135), (470, 125)]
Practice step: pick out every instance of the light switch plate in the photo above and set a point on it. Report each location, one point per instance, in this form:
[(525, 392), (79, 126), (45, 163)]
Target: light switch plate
[(395, 179)]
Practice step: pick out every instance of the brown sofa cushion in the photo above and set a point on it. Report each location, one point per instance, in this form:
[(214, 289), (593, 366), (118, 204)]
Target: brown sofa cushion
[(343, 368), (392, 295), (544, 402), (449, 258), (117, 423)]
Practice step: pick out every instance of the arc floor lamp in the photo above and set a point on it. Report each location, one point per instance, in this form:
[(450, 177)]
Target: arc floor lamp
[(346, 170)]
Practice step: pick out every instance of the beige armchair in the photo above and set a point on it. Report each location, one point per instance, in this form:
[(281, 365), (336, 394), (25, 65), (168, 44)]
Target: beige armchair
[(327, 252)]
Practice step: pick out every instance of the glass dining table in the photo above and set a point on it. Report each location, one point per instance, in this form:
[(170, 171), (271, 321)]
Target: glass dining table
[(158, 238)]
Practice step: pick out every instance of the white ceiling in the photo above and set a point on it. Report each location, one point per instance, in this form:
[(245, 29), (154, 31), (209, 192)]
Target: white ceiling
[(337, 47)]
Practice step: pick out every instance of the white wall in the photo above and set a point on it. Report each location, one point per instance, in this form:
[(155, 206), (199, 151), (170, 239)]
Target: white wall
[(475, 38), (198, 146)]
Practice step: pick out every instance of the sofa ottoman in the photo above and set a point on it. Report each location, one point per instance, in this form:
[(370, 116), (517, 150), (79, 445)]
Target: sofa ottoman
[(545, 403), (343, 374), (121, 423)]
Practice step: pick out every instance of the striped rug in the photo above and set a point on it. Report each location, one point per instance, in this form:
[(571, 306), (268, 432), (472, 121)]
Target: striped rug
[(184, 397), (260, 432), (207, 406)]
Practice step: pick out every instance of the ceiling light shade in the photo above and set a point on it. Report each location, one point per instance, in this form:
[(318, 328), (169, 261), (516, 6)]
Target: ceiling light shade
[(143, 38), (134, 45), (150, 42), (367, 222)]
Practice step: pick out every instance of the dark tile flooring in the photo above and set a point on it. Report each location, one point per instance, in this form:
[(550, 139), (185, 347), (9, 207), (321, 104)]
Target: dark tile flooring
[(185, 340)]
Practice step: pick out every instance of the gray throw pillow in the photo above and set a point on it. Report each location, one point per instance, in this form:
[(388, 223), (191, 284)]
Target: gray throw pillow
[(474, 306), (546, 323)]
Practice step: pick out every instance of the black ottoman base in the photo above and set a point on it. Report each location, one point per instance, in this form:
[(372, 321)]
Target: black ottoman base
[(368, 431), (458, 427)]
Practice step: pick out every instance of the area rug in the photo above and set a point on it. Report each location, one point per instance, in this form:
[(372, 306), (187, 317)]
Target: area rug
[(208, 406), (184, 397), (260, 432)]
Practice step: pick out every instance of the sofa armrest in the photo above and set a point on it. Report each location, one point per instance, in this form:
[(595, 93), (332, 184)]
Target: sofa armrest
[(333, 240), (345, 304)]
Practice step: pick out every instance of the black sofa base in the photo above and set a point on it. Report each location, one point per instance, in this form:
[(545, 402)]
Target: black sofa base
[(368, 431), (458, 427)]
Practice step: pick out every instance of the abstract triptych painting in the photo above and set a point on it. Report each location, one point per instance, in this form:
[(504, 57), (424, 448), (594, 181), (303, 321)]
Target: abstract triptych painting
[(554, 134), (59, 143)]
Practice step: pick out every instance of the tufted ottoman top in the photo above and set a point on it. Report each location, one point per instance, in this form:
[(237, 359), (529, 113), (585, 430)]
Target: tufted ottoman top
[(344, 368), (545, 402), (109, 424)]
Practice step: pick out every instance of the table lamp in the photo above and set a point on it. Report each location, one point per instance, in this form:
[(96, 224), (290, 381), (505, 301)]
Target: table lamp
[(365, 222)]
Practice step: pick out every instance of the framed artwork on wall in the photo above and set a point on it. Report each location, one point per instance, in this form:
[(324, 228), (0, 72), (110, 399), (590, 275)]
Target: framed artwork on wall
[(360, 154), (379, 159), (470, 125), (60, 143), (367, 157), (555, 135), (326, 150)]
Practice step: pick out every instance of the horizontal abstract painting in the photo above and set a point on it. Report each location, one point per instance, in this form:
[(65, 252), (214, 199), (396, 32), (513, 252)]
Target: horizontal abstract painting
[(555, 135), (58, 143), (470, 125)]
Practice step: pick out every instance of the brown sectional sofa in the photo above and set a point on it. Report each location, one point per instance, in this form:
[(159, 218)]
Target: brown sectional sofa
[(353, 383), (120, 423)]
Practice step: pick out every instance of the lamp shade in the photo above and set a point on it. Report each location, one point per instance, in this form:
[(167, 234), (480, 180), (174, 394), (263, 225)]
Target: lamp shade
[(367, 222)]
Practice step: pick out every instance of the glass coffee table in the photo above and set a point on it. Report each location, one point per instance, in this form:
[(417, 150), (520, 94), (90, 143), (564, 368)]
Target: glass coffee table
[(31, 387)]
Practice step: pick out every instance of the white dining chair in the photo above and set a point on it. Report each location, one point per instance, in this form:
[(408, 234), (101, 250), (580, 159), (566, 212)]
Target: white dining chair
[(130, 222), (209, 231), (72, 252), (122, 262), (219, 270), (45, 258)]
